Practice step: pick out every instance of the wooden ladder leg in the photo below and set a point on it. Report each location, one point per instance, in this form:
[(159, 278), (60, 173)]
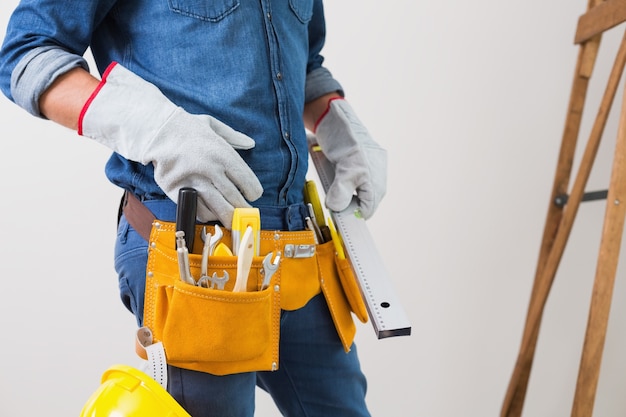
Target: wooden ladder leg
[(516, 392), (546, 271), (613, 228)]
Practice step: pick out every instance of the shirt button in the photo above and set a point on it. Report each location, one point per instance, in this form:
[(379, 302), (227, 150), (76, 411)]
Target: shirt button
[(286, 135), (269, 16), (279, 76)]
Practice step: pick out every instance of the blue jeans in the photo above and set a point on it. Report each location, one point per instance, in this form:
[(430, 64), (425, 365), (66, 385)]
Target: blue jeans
[(316, 378)]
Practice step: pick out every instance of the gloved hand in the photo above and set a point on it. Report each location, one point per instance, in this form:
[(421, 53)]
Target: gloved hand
[(133, 118), (360, 163)]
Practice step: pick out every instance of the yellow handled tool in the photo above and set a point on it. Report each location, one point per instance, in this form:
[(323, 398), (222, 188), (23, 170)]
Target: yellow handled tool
[(242, 219), (244, 260), (312, 199), (337, 242)]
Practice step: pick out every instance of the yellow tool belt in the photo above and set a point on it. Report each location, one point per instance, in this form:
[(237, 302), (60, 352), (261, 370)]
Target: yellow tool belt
[(219, 331)]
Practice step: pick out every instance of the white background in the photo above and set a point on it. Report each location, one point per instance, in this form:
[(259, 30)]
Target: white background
[(469, 98)]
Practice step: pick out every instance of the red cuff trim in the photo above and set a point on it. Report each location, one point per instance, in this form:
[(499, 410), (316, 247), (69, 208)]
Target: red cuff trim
[(325, 112), (93, 96)]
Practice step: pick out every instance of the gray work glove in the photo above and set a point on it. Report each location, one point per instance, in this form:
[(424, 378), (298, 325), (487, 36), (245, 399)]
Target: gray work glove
[(133, 118), (360, 163)]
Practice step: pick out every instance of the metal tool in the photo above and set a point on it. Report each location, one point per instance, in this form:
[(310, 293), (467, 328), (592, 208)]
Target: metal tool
[(204, 264), (219, 282), (310, 224), (383, 306), (214, 281), (210, 242), (299, 251), (316, 223), (269, 268), (244, 260), (204, 281), (183, 259), (313, 202)]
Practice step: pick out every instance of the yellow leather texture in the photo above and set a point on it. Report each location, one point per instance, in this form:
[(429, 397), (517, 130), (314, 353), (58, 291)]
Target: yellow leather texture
[(223, 332)]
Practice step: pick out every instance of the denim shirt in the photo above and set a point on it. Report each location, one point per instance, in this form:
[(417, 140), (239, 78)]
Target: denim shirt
[(250, 63)]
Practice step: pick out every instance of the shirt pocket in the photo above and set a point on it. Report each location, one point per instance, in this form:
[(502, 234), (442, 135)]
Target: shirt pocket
[(209, 10), (303, 9)]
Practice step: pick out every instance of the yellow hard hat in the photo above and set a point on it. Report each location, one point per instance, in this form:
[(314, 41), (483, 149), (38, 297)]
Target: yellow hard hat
[(128, 392)]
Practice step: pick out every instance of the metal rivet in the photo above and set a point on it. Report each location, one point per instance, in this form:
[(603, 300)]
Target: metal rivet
[(153, 244), (616, 202), (276, 288), (157, 225), (150, 274), (276, 236), (274, 366)]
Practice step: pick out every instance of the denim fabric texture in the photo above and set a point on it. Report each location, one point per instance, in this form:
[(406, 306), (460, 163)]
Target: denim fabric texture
[(247, 63)]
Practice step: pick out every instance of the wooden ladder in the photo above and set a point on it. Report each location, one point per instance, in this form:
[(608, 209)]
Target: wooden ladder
[(599, 17)]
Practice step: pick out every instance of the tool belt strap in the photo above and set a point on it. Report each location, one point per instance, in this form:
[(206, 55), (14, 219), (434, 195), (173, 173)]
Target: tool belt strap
[(137, 214)]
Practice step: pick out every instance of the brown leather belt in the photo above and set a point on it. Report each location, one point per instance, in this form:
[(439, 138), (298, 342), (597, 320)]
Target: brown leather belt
[(137, 214)]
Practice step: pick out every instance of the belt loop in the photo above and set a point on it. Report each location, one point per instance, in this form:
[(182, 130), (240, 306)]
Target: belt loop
[(295, 215)]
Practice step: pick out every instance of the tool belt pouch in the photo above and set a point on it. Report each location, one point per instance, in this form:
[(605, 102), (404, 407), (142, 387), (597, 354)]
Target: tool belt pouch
[(341, 292), (351, 289), (216, 331)]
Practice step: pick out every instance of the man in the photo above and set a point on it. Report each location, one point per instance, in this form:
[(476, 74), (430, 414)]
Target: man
[(214, 95)]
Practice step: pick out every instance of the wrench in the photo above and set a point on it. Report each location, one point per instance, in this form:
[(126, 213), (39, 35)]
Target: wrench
[(204, 281), (217, 281), (215, 239), (210, 242), (269, 268)]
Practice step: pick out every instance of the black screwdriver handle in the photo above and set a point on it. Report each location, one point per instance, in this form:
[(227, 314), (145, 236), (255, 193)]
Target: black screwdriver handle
[(186, 214)]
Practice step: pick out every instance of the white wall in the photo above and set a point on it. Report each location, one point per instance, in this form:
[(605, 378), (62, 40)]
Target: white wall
[(470, 99)]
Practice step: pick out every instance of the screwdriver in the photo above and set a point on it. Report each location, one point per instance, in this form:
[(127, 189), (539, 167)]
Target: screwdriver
[(186, 214)]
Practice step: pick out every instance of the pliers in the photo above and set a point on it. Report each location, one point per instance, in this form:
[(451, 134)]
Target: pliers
[(183, 259)]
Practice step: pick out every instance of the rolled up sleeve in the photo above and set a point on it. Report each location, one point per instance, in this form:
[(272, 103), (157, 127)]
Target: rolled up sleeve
[(319, 80), (36, 71)]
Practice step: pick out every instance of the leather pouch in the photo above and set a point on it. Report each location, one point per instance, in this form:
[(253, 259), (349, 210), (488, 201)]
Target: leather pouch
[(336, 295), (205, 329), (351, 289), (221, 332), (216, 330)]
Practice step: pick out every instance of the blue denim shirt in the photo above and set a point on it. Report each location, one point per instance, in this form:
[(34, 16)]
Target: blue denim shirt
[(251, 64)]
